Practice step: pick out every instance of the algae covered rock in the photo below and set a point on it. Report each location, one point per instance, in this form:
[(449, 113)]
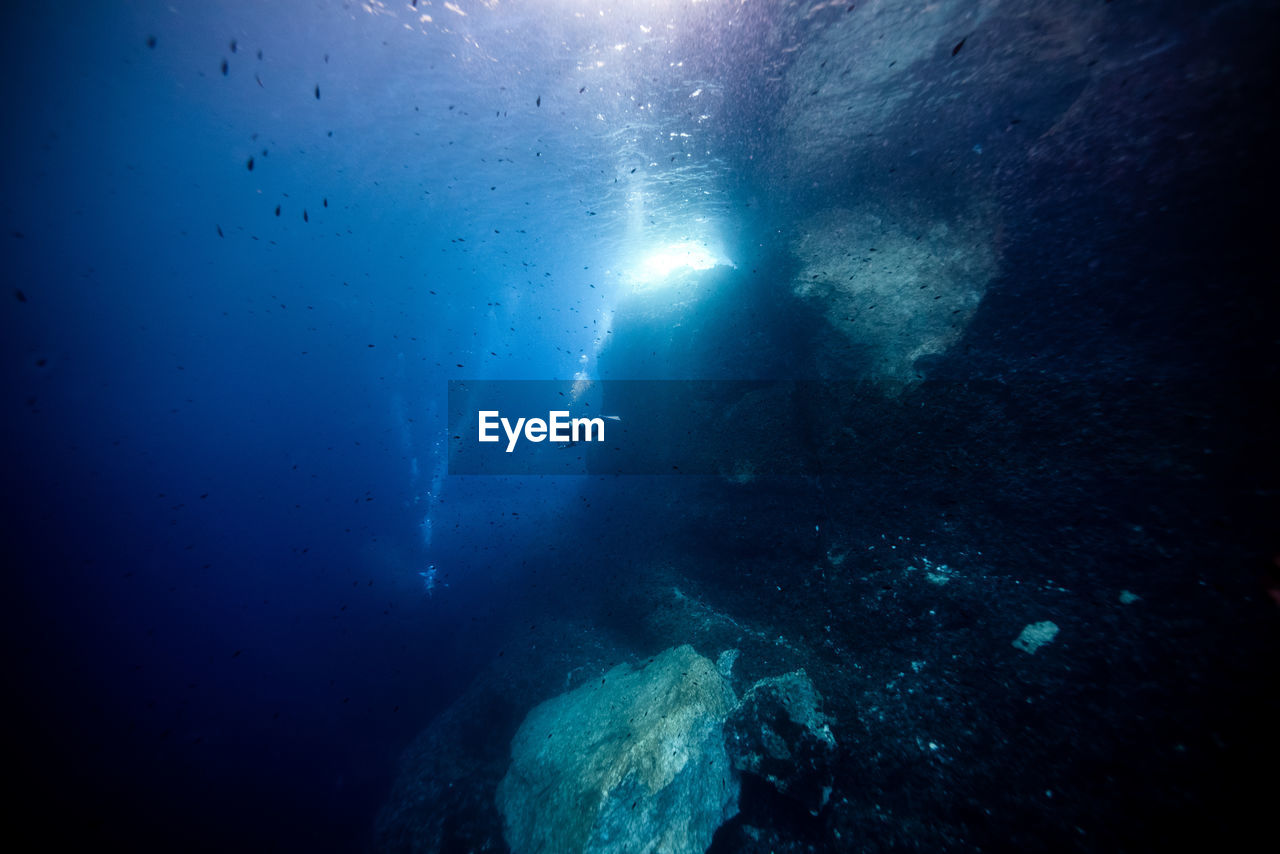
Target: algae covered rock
[(634, 762), (779, 733)]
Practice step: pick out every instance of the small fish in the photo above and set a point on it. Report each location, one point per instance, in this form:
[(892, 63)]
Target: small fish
[(956, 49), (259, 80), (259, 53), (151, 42), (614, 417), (583, 89), (305, 218), (277, 210), (233, 45), (317, 91), (219, 230), (326, 202), (224, 68), (537, 103), (19, 295), (250, 164)]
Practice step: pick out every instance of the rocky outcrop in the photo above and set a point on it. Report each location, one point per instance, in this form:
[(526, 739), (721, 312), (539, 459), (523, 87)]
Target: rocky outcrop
[(779, 733), (633, 763), (893, 289)]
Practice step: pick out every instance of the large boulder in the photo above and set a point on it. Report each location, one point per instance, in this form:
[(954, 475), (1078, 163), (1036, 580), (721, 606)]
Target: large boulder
[(633, 763)]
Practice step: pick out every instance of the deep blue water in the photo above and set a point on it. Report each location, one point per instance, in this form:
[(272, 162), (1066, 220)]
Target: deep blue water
[(247, 246)]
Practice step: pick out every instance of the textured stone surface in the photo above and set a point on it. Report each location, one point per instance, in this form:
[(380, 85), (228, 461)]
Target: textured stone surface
[(633, 763), (895, 289), (443, 798), (780, 733)]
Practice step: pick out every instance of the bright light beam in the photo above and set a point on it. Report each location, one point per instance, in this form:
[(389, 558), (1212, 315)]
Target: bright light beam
[(664, 266)]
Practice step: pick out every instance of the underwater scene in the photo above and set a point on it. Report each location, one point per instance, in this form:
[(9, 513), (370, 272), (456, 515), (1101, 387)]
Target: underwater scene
[(641, 426)]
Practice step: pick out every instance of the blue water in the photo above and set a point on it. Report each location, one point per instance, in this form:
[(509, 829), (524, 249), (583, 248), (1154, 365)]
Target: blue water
[(242, 580)]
